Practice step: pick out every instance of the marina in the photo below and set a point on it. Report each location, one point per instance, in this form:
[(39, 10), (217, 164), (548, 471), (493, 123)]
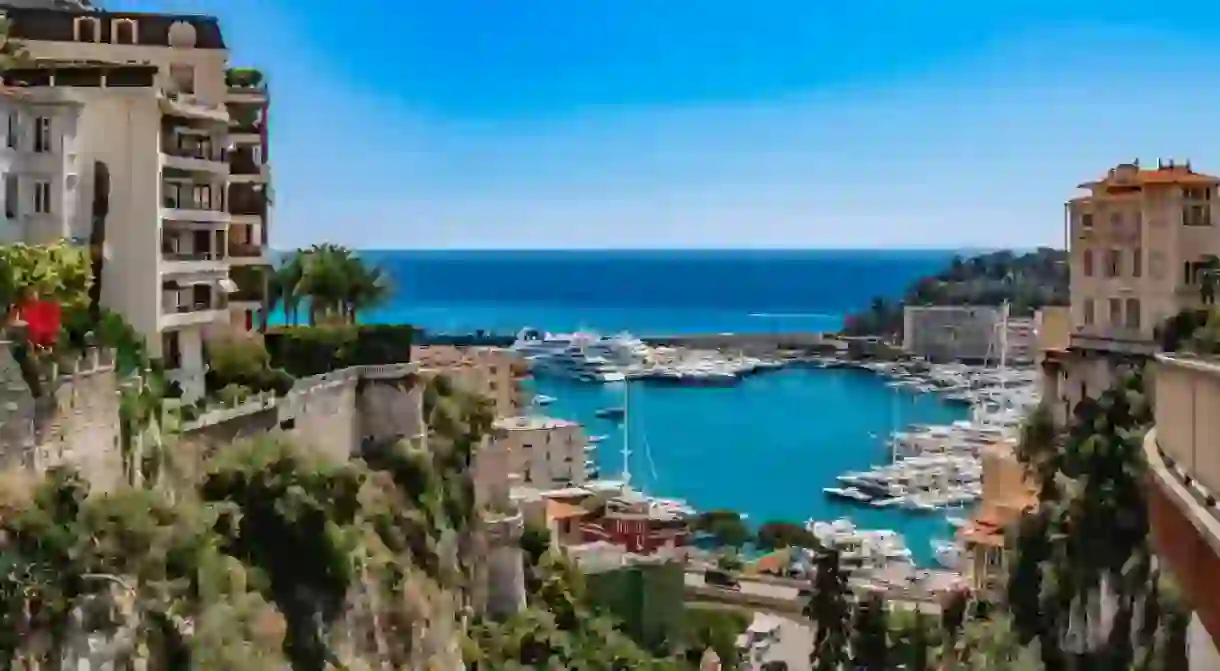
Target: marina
[(922, 431)]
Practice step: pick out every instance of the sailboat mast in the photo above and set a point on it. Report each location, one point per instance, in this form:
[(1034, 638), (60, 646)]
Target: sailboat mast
[(627, 432)]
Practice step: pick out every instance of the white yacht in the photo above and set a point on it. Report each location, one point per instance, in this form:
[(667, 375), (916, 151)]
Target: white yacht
[(948, 554)]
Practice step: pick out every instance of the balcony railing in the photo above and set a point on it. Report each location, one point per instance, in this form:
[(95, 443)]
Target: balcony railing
[(244, 165), (204, 151), (245, 249), (192, 256), (181, 203), (219, 302)]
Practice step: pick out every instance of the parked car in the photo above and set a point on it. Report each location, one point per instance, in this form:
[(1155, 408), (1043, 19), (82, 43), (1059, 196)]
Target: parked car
[(720, 578)]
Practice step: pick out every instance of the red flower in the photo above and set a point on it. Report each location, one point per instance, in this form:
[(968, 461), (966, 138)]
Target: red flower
[(42, 320)]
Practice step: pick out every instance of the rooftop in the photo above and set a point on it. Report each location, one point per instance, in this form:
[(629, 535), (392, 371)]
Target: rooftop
[(1130, 176), (532, 423)]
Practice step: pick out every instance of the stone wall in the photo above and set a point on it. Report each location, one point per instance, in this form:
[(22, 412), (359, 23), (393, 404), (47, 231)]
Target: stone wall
[(74, 422)]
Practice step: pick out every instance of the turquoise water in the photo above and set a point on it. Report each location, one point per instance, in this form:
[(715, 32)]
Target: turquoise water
[(765, 448)]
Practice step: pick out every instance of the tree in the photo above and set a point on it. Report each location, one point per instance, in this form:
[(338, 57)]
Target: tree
[(870, 644), (725, 526), (774, 535), (829, 609)]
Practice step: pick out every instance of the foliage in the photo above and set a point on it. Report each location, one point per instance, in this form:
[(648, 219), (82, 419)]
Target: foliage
[(714, 627), (914, 636), (241, 359), (1087, 541), (332, 281), (307, 350), (58, 272), (830, 610), (1026, 281), (870, 645), (725, 526), (287, 517), (774, 535), (244, 78)]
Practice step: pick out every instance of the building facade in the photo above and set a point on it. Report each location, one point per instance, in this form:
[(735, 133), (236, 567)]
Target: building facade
[(964, 333), (1183, 485), (543, 452), (144, 142), (1007, 494), (489, 371)]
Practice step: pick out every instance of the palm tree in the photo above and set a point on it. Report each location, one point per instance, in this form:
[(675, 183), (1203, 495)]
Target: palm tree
[(283, 286), (367, 287)]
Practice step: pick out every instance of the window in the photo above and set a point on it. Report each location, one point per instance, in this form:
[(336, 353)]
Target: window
[(1116, 312), (1086, 221), (12, 196), (1088, 312), (1133, 313), (1196, 215), (1197, 194), (87, 29), (183, 77), (1088, 263), (42, 135), (123, 31), (1116, 220), (1113, 260), (1137, 262), (42, 197), (202, 194), (171, 350), (13, 126)]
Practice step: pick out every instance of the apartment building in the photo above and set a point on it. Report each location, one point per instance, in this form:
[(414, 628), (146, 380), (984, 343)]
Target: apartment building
[(542, 452), (489, 371), (250, 193), (40, 141), (1137, 241), (963, 333), (141, 128)]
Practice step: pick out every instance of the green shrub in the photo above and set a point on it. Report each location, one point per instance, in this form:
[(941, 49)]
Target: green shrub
[(242, 359), (314, 350)]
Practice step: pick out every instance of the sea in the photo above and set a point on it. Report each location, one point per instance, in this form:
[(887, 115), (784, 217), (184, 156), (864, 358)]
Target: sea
[(766, 447)]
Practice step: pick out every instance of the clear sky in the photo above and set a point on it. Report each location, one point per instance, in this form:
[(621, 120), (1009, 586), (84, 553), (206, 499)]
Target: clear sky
[(709, 123)]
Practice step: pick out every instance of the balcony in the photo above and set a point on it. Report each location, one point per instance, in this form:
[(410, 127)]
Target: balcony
[(193, 262), (1115, 340), (190, 106), (193, 312), (246, 85), (1184, 473), (243, 169), (248, 254), (194, 155), (185, 208)]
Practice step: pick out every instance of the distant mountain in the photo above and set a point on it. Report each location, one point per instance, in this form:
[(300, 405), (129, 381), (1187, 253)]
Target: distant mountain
[(1027, 281)]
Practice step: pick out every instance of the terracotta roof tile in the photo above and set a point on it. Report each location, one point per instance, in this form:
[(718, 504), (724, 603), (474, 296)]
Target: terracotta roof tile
[(1125, 177)]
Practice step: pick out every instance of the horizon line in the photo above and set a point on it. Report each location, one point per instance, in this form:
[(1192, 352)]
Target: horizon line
[(973, 250)]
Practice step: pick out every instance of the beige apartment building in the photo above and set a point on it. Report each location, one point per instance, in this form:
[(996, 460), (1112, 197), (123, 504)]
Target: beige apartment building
[(140, 137), (539, 452), (1137, 241), (489, 371)]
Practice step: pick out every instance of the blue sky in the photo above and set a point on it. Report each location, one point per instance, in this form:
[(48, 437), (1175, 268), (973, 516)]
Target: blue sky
[(708, 123)]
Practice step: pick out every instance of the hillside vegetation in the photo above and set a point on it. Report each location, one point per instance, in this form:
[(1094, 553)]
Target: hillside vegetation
[(1027, 281)]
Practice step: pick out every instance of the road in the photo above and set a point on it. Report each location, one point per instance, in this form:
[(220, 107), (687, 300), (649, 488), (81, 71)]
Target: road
[(750, 587)]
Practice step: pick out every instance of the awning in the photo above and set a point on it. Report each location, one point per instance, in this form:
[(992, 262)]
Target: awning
[(227, 285)]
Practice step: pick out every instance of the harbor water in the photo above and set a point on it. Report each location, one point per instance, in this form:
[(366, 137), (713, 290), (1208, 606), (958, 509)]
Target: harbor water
[(765, 447)]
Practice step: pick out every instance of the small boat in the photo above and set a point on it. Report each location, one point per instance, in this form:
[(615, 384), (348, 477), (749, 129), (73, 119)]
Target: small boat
[(543, 399), (848, 493), (956, 522), (611, 413), (948, 554), (597, 439)]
